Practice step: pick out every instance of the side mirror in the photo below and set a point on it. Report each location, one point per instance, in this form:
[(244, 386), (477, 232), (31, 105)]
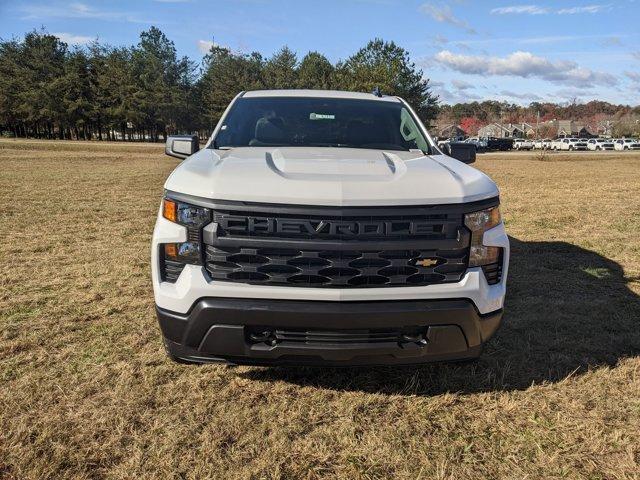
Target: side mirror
[(465, 152), (181, 146)]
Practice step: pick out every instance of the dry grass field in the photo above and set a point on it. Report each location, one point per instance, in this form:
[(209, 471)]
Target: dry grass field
[(87, 392)]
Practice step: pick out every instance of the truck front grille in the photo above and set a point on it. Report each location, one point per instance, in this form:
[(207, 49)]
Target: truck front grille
[(331, 268), (325, 247)]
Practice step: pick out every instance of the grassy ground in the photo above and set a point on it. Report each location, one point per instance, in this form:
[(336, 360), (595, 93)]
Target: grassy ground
[(86, 390)]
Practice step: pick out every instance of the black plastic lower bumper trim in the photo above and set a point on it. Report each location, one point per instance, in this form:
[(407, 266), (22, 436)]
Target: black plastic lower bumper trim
[(223, 329)]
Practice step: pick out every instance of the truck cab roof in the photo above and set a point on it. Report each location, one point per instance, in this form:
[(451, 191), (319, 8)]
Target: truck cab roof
[(319, 94)]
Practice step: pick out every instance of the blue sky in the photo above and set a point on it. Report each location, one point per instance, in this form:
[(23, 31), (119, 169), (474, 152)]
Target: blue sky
[(471, 50)]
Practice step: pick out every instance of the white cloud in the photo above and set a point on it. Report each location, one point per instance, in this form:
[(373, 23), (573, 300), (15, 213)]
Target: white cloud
[(571, 94), (443, 14), (72, 39), (458, 96), (633, 76), (463, 46), (205, 46), (531, 97), (440, 39), (80, 10), (538, 10), (636, 54), (526, 65), (585, 9), (461, 85), (517, 9)]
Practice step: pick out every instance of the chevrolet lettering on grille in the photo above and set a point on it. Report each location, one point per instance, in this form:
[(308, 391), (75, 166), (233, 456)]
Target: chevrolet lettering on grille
[(240, 225)]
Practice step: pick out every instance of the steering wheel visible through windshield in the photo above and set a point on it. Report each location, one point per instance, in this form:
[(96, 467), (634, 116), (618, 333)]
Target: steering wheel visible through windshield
[(320, 122)]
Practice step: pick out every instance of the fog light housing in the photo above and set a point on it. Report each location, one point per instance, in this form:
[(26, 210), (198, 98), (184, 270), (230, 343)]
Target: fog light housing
[(187, 252), (483, 255), (479, 222)]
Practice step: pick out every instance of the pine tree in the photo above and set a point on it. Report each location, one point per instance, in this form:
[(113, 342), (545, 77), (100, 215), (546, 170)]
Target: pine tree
[(387, 66), (225, 75), (315, 71), (280, 70)]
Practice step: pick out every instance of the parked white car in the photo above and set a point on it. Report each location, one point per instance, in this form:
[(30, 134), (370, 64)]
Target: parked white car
[(542, 144), (444, 142), (571, 144), (479, 142), (522, 144), (577, 144), (627, 144), (600, 144)]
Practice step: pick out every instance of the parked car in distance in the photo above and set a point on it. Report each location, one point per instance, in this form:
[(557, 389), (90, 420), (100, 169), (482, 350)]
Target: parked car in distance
[(627, 144), (600, 144), (542, 144), (577, 144), (561, 144), (522, 144), (571, 144), (479, 142), (556, 144), (443, 142), (503, 144)]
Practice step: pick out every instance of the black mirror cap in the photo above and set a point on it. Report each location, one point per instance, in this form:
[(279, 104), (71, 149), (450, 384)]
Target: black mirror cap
[(465, 152), (182, 146)]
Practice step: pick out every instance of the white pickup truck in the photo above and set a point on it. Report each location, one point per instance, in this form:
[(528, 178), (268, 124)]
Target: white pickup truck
[(523, 144), (600, 144), (326, 228), (627, 144), (542, 144), (569, 144)]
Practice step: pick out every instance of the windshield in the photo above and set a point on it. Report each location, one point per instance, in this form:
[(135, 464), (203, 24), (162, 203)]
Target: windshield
[(320, 122)]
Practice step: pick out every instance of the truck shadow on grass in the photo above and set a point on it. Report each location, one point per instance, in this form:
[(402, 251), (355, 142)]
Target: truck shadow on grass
[(567, 310)]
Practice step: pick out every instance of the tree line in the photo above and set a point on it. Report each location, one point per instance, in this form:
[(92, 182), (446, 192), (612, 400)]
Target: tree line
[(146, 91)]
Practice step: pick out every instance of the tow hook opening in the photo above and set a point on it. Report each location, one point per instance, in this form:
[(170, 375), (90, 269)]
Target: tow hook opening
[(263, 336)]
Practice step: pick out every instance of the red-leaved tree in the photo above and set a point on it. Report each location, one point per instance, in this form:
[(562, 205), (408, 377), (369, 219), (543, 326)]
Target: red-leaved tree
[(470, 125)]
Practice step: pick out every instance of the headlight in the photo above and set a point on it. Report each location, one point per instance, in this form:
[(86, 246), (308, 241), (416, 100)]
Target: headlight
[(479, 222), (184, 213), (194, 218)]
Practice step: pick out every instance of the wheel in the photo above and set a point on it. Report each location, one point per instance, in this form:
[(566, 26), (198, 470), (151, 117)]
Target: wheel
[(570, 148)]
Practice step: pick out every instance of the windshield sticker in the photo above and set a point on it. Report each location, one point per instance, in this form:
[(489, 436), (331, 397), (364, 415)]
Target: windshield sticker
[(321, 116)]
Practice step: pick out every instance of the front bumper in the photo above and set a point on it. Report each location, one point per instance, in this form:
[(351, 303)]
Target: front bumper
[(221, 329)]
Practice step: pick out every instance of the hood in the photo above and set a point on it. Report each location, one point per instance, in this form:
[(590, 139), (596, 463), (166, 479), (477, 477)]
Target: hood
[(329, 176)]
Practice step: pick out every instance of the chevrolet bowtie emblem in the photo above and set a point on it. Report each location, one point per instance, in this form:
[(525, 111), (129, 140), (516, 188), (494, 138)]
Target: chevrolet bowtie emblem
[(426, 262)]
